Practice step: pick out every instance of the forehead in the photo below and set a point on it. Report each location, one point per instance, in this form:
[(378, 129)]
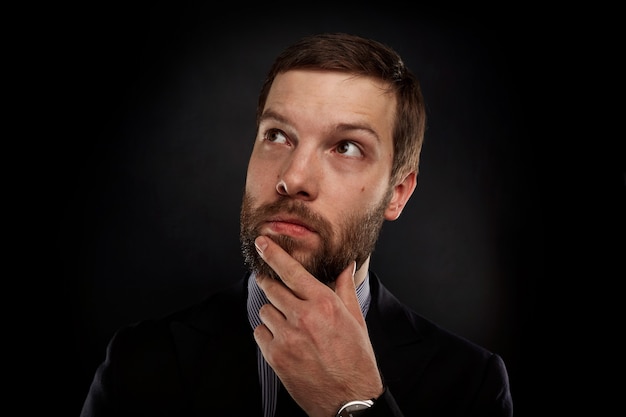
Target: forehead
[(332, 98)]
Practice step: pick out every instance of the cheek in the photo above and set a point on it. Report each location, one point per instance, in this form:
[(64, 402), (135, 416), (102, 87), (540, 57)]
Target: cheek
[(363, 193), (259, 179), (353, 199)]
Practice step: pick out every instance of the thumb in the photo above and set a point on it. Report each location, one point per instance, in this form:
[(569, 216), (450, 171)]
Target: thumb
[(346, 290)]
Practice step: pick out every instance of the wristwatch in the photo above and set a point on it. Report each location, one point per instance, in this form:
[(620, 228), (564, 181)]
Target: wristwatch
[(354, 408)]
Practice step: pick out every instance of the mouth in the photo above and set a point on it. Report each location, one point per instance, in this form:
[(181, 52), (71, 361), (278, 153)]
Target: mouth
[(288, 225)]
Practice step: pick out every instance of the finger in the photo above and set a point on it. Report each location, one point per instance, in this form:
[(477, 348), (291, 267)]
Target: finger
[(262, 336), (272, 320), (346, 290), (281, 299), (291, 272)]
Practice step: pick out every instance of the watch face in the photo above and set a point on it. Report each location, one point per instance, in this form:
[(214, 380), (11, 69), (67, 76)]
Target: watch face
[(354, 408)]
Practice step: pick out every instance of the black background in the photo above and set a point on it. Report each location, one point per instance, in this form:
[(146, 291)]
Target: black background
[(153, 120)]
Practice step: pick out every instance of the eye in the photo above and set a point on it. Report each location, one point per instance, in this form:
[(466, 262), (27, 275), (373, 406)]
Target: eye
[(275, 136), (348, 148)]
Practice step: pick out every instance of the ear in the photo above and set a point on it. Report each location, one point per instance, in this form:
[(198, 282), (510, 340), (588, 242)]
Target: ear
[(401, 193)]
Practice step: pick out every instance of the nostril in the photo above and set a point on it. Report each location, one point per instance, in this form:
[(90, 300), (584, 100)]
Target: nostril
[(281, 187)]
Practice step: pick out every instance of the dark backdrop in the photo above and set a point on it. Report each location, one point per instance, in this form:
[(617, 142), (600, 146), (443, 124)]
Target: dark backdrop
[(157, 112)]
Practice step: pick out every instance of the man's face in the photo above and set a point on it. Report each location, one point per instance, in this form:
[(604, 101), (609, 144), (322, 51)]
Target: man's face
[(318, 176)]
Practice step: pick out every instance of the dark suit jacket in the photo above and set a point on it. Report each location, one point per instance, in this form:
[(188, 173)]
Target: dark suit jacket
[(202, 361)]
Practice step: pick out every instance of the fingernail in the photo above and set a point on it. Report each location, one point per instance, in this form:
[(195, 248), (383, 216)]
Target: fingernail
[(260, 243)]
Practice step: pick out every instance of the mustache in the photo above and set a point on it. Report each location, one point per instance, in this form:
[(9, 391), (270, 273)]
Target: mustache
[(297, 209)]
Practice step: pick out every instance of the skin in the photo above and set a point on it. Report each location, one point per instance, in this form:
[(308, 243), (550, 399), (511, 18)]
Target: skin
[(324, 142)]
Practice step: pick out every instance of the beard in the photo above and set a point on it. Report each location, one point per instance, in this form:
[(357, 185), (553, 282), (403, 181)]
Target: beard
[(357, 236)]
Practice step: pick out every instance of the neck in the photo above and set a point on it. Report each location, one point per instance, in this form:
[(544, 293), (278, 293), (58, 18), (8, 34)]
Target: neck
[(359, 275)]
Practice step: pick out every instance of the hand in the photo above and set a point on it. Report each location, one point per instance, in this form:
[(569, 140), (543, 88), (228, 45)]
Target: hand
[(314, 338)]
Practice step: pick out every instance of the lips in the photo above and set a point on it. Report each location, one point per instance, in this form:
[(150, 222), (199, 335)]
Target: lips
[(289, 221)]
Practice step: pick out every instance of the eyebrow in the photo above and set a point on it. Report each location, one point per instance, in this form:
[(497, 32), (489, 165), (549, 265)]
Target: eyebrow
[(346, 127), (270, 114)]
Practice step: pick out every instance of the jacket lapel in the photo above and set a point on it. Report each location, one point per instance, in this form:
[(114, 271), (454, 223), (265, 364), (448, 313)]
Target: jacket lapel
[(401, 349)]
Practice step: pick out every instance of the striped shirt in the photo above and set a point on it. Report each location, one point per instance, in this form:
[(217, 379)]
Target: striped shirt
[(268, 379)]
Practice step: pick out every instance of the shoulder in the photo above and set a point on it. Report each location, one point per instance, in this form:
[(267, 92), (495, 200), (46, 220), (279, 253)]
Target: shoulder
[(155, 338), (400, 331), (453, 373), (402, 321)]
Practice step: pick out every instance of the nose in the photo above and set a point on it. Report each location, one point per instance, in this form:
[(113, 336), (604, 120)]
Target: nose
[(299, 178)]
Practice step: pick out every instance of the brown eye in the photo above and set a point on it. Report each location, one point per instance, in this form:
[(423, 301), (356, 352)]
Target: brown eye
[(275, 136), (349, 149)]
